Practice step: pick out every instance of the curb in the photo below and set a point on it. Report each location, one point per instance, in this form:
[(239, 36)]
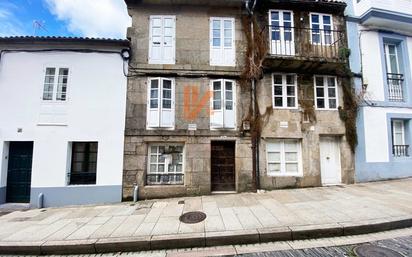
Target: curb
[(262, 235)]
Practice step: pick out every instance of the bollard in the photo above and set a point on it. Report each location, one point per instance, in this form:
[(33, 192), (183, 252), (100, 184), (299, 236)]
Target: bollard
[(136, 193), (40, 201)]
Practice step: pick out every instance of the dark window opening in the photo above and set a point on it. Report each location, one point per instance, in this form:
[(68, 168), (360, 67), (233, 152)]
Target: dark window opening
[(84, 163)]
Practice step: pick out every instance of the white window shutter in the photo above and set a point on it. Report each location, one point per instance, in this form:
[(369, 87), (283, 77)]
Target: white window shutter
[(169, 30), (167, 105), (229, 107), (216, 105), (153, 110), (229, 54)]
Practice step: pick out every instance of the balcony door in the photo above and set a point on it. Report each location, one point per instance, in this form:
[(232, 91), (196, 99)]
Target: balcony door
[(282, 32), (393, 71)]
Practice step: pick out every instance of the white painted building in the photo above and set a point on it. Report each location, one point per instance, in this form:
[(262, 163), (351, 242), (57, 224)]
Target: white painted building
[(62, 120), (380, 35)]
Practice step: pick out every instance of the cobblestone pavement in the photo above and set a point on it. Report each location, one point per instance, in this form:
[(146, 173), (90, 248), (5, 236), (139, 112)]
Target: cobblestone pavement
[(398, 240), (248, 211)]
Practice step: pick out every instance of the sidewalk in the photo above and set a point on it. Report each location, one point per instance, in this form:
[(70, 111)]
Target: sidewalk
[(231, 219)]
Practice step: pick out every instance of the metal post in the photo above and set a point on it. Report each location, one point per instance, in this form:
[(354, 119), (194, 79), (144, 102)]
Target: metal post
[(40, 201), (136, 193)]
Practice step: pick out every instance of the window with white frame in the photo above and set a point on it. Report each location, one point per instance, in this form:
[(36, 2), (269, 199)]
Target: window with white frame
[(281, 32), (394, 73), (162, 42), (284, 91), (399, 148), (284, 158), (160, 103), (223, 104), (326, 92), (222, 41), (321, 28), (165, 164), (55, 84)]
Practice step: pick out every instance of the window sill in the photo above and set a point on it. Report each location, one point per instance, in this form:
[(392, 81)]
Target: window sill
[(83, 185), (285, 175), (52, 124)]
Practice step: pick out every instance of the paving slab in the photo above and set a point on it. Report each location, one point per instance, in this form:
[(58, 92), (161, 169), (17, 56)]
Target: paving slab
[(276, 216)]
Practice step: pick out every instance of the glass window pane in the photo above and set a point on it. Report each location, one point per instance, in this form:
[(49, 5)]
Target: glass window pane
[(153, 103), (167, 94), (216, 42), (326, 19), (315, 18), (278, 101), (331, 82), (320, 92), (290, 79), (332, 103), (275, 15), (291, 157), (229, 95), (154, 83), (217, 105), (229, 105), (290, 91), (216, 85), (291, 146), (277, 79), (331, 92), (319, 81), (228, 85), (278, 90), (167, 104), (273, 157), (320, 103), (287, 16), (291, 102), (275, 167), (291, 168), (228, 42), (167, 84), (216, 24)]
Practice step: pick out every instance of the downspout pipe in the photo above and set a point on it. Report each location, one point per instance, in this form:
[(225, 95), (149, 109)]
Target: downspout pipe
[(255, 138)]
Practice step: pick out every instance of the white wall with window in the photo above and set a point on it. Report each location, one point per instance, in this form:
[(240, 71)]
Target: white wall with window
[(92, 89), (284, 157), (161, 103), (162, 39), (165, 164), (284, 91), (223, 104), (222, 41), (326, 92)]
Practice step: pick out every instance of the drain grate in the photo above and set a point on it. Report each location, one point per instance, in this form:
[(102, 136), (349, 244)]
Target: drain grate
[(375, 251), (193, 217)]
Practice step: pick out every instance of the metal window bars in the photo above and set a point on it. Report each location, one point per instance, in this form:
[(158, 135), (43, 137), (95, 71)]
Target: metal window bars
[(306, 42), (165, 179), (395, 87), (400, 150)]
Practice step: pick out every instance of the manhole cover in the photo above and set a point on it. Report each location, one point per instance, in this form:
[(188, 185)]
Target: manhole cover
[(375, 251), (193, 217)]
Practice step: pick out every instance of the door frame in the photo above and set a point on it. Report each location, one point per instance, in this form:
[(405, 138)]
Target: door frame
[(233, 141), (7, 147), (337, 141)]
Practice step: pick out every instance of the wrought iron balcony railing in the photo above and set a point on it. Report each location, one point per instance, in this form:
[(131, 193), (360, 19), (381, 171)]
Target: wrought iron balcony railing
[(395, 87), (82, 178), (400, 150), (165, 179), (306, 42)]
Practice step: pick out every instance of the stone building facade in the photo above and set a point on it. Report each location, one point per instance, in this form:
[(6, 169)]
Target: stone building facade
[(186, 105), (303, 142), (178, 153)]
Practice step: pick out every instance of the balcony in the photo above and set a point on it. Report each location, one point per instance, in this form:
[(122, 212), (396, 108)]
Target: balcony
[(400, 150), (306, 49), (395, 87)]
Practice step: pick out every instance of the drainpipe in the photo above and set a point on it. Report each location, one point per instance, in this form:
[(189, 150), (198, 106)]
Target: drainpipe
[(255, 139)]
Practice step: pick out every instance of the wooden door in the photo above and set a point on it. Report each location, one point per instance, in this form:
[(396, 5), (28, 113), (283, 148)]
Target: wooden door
[(19, 172), (223, 166)]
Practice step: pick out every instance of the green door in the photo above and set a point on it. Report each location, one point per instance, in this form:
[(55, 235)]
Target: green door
[(19, 172)]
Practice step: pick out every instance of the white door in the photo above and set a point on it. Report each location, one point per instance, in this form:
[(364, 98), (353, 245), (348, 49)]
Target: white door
[(282, 32), (223, 104), (330, 161)]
